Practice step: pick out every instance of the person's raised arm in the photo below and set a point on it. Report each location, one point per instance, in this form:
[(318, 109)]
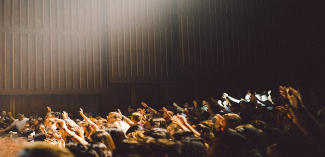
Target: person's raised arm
[(83, 116), (179, 123), (62, 126), (231, 98), (148, 108), (125, 119), (65, 115), (184, 121), (302, 118)]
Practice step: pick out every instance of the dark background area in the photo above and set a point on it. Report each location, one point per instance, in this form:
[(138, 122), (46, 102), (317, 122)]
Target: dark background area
[(257, 45)]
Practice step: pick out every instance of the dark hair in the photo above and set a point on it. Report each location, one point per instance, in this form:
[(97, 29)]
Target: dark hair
[(158, 133), (103, 137), (117, 135), (90, 150), (133, 147), (192, 147), (57, 114)]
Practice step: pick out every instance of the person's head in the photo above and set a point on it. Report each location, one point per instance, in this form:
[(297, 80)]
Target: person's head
[(186, 105), (20, 116), (90, 150), (113, 117), (172, 128), (192, 147), (132, 148), (154, 123), (229, 144), (231, 120), (117, 135), (3, 113), (258, 124), (50, 121), (57, 115), (163, 147), (136, 135), (136, 117), (105, 138), (41, 149), (158, 133), (34, 122), (130, 109), (252, 135)]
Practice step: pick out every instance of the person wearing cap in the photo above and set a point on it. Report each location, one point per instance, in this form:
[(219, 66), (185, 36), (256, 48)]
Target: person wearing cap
[(20, 123)]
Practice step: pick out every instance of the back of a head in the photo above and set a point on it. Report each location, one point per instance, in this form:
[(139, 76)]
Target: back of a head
[(192, 147), (232, 120), (90, 150), (117, 135), (158, 133), (42, 149), (136, 116), (161, 121), (105, 138), (132, 148), (116, 115)]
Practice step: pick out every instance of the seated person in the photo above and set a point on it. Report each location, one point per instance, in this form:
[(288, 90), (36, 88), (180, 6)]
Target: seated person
[(20, 123)]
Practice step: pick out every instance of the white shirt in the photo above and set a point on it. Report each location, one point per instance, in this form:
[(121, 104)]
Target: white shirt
[(20, 124), (124, 126)]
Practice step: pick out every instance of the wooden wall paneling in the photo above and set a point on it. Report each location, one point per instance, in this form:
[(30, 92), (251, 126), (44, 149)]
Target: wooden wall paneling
[(3, 60), (5, 103)]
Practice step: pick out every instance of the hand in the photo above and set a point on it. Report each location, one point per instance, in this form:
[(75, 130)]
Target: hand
[(118, 110), (81, 111), (195, 103), (79, 130), (57, 135), (64, 115), (94, 126), (42, 128), (143, 111), (61, 124), (60, 143), (48, 109), (292, 96), (219, 122), (176, 121), (50, 141), (182, 119)]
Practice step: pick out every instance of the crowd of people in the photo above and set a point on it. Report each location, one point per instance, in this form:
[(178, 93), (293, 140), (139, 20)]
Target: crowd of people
[(268, 124)]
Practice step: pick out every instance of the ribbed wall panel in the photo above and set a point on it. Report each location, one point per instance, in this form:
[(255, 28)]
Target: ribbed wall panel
[(53, 46), (140, 35), (227, 33)]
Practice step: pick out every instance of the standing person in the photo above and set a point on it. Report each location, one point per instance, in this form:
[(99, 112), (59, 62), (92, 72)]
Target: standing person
[(19, 123)]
